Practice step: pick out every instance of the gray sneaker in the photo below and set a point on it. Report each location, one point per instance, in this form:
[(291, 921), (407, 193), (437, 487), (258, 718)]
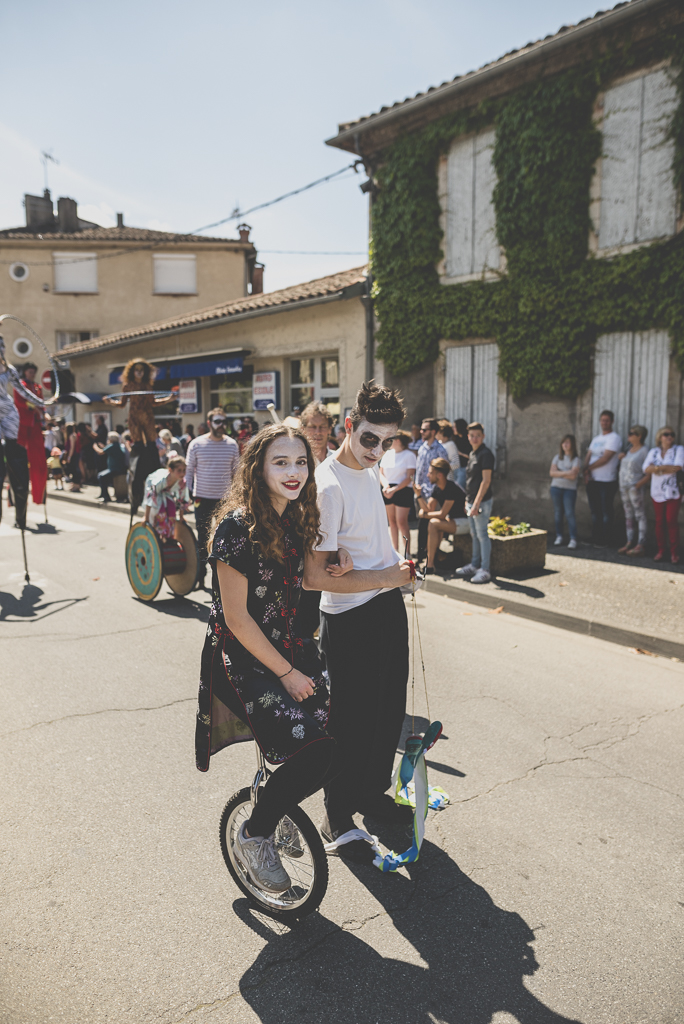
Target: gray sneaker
[(260, 859), (287, 838), (481, 576), (465, 572)]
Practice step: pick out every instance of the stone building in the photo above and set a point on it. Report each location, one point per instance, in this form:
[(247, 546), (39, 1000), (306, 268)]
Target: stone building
[(467, 270)]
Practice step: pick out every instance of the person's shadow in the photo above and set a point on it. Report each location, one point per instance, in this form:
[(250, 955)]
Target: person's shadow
[(29, 605), (476, 957)]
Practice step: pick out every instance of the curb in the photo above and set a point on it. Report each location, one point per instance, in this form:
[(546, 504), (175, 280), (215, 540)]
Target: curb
[(587, 627), (113, 506)]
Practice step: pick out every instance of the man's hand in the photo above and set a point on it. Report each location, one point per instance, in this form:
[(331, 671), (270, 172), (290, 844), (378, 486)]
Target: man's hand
[(345, 563), (474, 511), (298, 685), (400, 574)]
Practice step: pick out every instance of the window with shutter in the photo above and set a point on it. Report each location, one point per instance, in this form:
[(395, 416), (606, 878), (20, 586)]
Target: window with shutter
[(638, 198), (75, 271), (472, 386), (471, 246), (631, 373), (175, 274)]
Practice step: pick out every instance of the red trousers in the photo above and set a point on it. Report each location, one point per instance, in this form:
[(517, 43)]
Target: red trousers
[(666, 516), (34, 443)]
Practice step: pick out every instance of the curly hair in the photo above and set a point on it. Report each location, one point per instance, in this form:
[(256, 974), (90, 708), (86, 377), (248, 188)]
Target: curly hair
[(127, 377), (249, 495)]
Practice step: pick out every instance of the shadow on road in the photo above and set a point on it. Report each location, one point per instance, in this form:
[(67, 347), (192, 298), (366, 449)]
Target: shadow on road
[(181, 608), (28, 606), (475, 956)]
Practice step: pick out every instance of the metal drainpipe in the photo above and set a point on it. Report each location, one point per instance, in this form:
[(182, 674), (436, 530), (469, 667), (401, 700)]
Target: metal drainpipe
[(370, 329)]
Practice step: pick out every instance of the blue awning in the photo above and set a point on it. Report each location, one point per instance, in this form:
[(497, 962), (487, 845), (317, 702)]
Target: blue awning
[(214, 367)]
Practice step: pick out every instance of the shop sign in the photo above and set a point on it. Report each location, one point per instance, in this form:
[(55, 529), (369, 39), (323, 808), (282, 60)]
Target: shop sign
[(265, 389), (187, 396)]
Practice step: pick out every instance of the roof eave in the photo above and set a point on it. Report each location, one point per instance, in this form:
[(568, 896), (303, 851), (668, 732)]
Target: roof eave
[(348, 139)]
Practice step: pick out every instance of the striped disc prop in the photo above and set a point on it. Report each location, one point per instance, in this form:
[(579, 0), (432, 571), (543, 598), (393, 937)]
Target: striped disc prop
[(182, 583), (144, 562)]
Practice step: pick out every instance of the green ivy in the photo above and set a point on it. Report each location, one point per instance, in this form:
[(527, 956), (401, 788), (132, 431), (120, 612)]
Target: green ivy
[(549, 307)]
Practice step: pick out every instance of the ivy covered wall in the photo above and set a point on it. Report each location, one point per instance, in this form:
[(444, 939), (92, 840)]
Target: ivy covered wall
[(554, 299)]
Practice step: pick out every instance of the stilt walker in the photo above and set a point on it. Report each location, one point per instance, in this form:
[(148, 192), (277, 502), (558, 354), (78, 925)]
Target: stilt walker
[(31, 431)]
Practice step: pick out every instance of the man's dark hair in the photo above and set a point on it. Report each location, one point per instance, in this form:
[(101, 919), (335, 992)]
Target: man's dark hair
[(607, 412), (476, 426), (433, 424), (377, 404), (28, 366)]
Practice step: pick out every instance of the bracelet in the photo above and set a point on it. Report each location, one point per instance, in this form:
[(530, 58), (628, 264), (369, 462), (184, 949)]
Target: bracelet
[(286, 673)]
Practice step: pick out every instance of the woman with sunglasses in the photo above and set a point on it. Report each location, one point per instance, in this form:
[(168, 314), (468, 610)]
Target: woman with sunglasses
[(632, 482), (258, 676), (663, 464)]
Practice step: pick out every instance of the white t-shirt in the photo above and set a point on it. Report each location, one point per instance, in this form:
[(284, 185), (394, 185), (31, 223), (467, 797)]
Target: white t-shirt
[(602, 442), (395, 465), (353, 517), (664, 488)]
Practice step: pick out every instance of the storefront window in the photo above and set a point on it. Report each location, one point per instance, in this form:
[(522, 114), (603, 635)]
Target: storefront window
[(232, 392), (315, 379)]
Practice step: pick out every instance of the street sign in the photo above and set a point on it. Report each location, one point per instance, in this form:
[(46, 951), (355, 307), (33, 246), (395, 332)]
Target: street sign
[(187, 396), (46, 380), (266, 389)]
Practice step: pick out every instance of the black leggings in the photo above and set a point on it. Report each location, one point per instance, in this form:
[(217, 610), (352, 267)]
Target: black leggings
[(297, 778)]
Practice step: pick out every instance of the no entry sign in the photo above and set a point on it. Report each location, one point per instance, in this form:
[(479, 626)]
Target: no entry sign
[(46, 380)]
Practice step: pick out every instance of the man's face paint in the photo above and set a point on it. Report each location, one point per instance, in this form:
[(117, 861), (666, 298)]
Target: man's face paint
[(368, 457)]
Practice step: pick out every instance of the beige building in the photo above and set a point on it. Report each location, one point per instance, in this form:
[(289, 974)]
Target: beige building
[(73, 280), (309, 341)]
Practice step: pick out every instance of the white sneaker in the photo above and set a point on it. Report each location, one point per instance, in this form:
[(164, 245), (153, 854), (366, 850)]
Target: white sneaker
[(466, 571), (481, 576), (558, 541), (260, 859), (572, 545)]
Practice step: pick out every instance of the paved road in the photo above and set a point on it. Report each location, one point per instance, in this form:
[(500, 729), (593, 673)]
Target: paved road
[(550, 890)]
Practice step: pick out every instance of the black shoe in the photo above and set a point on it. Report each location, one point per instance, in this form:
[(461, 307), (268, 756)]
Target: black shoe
[(384, 809)]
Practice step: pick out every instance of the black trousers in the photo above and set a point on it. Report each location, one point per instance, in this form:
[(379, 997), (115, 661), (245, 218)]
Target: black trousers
[(204, 510), (600, 495), (297, 778), (366, 650)]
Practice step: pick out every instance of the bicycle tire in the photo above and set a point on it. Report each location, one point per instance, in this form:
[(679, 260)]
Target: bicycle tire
[(301, 899)]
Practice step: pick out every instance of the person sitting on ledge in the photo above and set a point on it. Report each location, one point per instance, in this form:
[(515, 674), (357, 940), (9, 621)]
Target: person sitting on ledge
[(444, 510)]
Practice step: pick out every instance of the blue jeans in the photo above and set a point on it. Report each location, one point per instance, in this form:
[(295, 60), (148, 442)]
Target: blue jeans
[(460, 476), (564, 500), (482, 545)]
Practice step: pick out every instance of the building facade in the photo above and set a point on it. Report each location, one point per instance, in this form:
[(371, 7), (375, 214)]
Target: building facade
[(291, 346), (527, 242), (74, 281)]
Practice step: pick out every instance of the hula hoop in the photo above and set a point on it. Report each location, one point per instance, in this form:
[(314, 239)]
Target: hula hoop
[(53, 362)]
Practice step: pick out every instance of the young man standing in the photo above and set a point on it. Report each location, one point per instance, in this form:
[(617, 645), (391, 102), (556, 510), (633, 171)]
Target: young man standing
[(429, 449), (211, 462), (364, 630), (478, 505), (601, 466)]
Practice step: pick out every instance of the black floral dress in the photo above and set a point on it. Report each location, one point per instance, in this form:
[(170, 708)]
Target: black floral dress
[(239, 698)]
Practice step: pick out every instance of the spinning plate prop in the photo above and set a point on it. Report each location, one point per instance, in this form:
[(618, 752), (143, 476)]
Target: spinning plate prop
[(149, 561)]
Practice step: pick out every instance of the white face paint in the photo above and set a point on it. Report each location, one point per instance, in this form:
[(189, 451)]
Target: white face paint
[(368, 457), (286, 468)]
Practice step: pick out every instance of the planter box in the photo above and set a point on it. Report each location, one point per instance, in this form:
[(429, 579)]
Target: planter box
[(509, 554)]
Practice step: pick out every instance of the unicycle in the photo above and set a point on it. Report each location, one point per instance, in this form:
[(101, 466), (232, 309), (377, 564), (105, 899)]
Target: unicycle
[(298, 843)]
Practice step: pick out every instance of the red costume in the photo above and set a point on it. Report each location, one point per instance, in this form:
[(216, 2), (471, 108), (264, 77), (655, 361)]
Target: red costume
[(31, 437)]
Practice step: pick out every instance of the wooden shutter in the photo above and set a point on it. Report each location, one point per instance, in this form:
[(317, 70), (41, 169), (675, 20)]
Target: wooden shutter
[(175, 274), (75, 271), (472, 386), (471, 245), (630, 378)]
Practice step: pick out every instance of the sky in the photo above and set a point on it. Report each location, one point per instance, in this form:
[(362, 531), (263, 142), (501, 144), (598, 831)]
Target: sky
[(177, 113)]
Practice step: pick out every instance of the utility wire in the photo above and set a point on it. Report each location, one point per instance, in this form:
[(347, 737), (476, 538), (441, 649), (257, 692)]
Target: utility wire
[(306, 252), (176, 237)]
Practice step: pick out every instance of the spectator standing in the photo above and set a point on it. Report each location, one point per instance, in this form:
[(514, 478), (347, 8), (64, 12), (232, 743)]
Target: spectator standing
[(187, 437), (115, 457), (600, 475), (211, 463), (201, 429), (316, 423), (464, 448), (663, 464), (397, 469), (429, 449), (416, 439), (564, 473), (50, 437), (633, 480), (445, 436), (444, 511), (479, 500), (101, 430), (73, 456)]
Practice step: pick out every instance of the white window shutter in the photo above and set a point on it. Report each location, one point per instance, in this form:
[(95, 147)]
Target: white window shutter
[(175, 274), (471, 245), (459, 382), (638, 201), (75, 271), (630, 378), (472, 386)]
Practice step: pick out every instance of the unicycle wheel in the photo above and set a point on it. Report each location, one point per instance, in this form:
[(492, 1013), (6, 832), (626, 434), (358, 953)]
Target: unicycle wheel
[(301, 852)]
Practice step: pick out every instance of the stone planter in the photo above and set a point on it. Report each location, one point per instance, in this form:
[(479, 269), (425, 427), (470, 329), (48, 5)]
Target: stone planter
[(516, 553)]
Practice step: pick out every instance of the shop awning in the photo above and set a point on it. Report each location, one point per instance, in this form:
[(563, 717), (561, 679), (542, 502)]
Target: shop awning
[(213, 367)]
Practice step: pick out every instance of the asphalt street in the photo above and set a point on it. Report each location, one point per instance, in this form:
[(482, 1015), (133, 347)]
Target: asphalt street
[(550, 889)]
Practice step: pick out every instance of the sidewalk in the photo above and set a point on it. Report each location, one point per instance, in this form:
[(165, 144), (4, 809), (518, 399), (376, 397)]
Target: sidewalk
[(87, 498)]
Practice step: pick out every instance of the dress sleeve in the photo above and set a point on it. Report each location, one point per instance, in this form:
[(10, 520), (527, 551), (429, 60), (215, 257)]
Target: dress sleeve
[(232, 545)]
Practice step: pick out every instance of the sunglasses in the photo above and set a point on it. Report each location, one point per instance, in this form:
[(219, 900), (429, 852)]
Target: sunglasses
[(667, 433), (371, 441), (217, 421)]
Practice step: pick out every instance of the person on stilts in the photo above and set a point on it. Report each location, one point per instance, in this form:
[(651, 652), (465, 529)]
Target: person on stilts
[(31, 431), (364, 629)]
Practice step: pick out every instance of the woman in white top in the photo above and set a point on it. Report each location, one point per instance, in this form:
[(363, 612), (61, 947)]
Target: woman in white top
[(662, 465), (632, 481), (445, 436), (564, 472), (397, 469)]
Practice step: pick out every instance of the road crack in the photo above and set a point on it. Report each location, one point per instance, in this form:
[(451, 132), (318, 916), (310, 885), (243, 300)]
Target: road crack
[(102, 711)]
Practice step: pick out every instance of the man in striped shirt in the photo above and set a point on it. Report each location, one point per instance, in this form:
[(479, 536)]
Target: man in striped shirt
[(211, 462)]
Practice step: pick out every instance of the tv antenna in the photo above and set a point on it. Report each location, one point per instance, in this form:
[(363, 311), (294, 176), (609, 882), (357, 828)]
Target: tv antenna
[(45, 157)]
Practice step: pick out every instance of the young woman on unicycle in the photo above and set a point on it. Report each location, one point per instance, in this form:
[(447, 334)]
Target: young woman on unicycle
[(259, 678)]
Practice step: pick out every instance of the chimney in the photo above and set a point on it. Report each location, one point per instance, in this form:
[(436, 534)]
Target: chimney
[(257, 279), (119, 220), (244, 230), (67, 215), (40, 215)]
